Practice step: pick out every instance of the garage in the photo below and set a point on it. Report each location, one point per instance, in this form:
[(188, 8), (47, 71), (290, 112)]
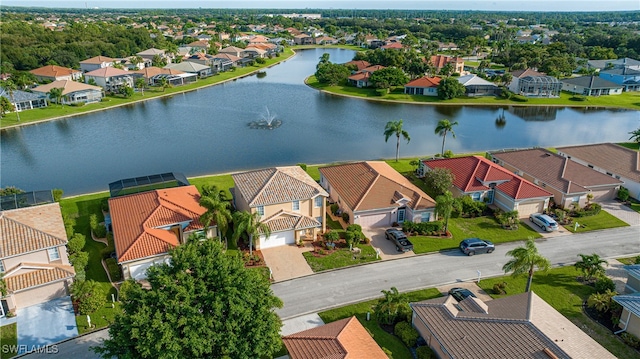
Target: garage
[(374, 220), (277, 239), (139, 271), (525, 209)]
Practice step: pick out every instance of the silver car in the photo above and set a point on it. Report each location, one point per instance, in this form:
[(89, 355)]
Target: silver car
[(543, 221)]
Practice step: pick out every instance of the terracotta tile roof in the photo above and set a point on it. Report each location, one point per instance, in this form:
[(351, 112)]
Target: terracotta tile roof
[(31, 229), (611, 157), (53, 71), (360, 76), (559, 172), (528, 72), (345, 338), (373, 185), (286, 221), (360, 64), (231, 50), (38, 274), (199, 43), (393, 45), (471, 171), (153, 71), (108, 72), (424, 82), (276, 185), (67, 87), (259, 38), (97, 60), (518, 326), (439, 61), (373, 68), (262, 45), (137, 220)]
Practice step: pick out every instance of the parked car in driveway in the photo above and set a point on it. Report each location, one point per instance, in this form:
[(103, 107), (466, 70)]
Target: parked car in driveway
[(399, 238), (543, 221), (461, 294), (471, 246)]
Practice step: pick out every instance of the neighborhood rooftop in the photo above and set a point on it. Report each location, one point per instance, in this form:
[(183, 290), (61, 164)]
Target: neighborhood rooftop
[(613, 157)]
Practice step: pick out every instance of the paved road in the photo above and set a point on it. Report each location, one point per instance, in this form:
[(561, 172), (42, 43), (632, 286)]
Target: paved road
[(332, 289)]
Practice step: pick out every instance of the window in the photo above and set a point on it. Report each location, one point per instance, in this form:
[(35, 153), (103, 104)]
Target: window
[(1, 267), (53, 254), (400, 215), (295, 205), (475, 196), (425, 217), (318, 201), (319, 219), (260, 210)]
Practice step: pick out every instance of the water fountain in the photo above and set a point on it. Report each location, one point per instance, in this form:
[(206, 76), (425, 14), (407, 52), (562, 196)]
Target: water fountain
[(267, 122)]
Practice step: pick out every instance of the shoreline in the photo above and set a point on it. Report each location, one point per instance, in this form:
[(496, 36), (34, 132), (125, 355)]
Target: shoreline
[(19, 125)]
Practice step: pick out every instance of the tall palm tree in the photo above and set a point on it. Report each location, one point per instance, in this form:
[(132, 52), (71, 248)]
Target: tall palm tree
[(56, 95), (525, 260), (140, 84), (388, 308), (445, 204), (218, 209), (635, 136), (10, 87), (395, 128), (249, 223), (445, 126)]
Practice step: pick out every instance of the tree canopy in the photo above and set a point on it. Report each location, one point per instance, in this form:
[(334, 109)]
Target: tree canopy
[(525, 259), (450, 87)]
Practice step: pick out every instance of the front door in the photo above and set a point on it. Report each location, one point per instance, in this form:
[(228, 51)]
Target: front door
[(401, 215), (4, 308)]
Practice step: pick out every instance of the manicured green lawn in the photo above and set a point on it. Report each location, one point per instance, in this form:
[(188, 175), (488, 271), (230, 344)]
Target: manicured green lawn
[(8, 337), (602, 220), (384, 339), (559, 287), (630, 145), (331, 224), (224, 182), (101, 318), (627, 260), (340, 258)]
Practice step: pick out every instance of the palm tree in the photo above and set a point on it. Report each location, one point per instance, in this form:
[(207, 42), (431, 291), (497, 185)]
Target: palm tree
[(395, 128), (249, 224), (217, 205), (445, 126), (164, 83), (635, 136), (56, 95), (445, 204), (140, 84), (387, 308), (10, 87), (591, 265), (525, 260)]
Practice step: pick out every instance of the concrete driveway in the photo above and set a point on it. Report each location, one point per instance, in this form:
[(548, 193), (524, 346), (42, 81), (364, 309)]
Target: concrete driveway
[(385, 247), (472, 286), (287, 262), (560, 232), (45, 323), (622, 212)]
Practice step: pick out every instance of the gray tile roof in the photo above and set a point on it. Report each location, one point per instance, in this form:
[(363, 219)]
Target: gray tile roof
[(276, 185), (21, 96), (630, 302), (591, 82), (609, 156)]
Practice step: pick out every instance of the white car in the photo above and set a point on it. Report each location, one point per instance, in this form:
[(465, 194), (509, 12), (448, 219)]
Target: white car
[(543, 221)]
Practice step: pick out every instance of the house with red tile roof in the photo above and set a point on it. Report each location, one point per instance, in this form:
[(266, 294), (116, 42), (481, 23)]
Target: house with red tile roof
[(486, 181), (373, 194), (426, 86), (97, 62), (33, 256), (440, 61), (232, 50), (288, 200), (392, 46), (110, 79), (55, 73), (342, 339), (152, 76), (359, 64), (147, 224), (361, 78), (568, 181), (517, 326)]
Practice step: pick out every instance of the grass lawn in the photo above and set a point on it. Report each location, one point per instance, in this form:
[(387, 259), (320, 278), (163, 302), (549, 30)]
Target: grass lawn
[(331, 224), (340, 258), (630, 145), (602, 220), (384, 339), (628, 100), (560, 288), (627, 260), (9, 337)]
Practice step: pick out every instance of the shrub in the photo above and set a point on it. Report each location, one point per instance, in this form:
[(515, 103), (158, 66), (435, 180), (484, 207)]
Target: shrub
[(345, 217), (303, 166), (577, 98), (104, 205), (623, 194), (407, 333), (69, 224), (425, 352), (354, 228), (260, 60), (57, 194), (334, 208), (422, 228), (630, 339), (387, 352), (79, 260), (99, 230), (603, 284), (382, 92), (448, 154), (519, 98), (590, 210), (331, 236), (76, 243), (500, 288), (637, 260)]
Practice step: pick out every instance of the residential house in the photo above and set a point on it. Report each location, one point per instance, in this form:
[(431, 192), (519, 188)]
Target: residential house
[(152, 76), (614, 64), (531, 83), (147, 224), (110, 78), (568, 181), (449, 46), (345, 338), (627, 77), (325, 40), (303, 39), (271, 49), (259, 39), (591, 86), (359, 64), (288, 200), (232, 50), (279, 40), (55, 73), (293, 31), (611, 159), (199, 45), (72, 91), (361, 78), (132, 63), (226, 61), (33, 256), (95, 63), (630, 302), (517, 326), (477, 86), (440, 61), (633, 279), (201, 58), (426, 86), (254, 52), (150, 54), (392, 46), (375, 195), (486, 181), (192, 68), (23, 100)]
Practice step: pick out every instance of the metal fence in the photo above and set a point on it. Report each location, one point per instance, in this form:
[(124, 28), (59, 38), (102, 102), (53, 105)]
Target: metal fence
[(26, 199)]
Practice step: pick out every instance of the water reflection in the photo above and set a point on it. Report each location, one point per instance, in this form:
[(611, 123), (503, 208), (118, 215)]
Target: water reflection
[(535, 113), (501, 120), (14, 141)]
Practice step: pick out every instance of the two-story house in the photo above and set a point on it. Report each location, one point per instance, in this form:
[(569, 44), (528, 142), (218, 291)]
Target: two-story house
[(95, 63), (110, 78), (288, 200)]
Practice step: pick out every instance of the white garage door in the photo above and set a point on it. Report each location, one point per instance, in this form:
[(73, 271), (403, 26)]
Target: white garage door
[(139, 272), (374, 220), (525, 209), (278, 239)]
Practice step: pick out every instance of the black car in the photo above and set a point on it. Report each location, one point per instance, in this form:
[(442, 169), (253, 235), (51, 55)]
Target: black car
[(400, 239), (471, 246), (460, 294)]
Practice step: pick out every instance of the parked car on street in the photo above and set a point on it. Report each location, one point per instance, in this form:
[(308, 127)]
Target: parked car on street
[(461, 294), (472, 246), (399, 238), (543, 221)]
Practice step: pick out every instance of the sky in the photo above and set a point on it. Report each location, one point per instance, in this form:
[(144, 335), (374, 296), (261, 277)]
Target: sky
[(482, 5)]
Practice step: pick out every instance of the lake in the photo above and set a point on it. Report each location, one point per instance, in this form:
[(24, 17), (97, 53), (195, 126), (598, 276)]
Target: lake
[(206, 131)]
